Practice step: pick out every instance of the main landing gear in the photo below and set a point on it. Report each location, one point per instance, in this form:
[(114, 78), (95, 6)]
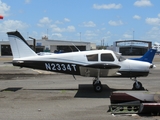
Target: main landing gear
[(137, 85), (97, 85)]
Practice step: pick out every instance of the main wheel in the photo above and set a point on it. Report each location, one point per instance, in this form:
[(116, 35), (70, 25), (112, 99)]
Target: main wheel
[(96, 82), (137, 86), (98, 87)]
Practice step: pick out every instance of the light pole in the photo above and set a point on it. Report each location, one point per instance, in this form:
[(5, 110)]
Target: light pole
[(34, 43), (80, 36)]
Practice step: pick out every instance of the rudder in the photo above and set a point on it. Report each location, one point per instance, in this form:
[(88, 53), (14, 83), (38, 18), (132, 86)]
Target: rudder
[(148, 56), (19, 46)]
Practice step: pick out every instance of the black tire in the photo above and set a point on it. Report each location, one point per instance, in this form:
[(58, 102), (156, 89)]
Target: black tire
[(98, 88), (137, 87), (95, 82)]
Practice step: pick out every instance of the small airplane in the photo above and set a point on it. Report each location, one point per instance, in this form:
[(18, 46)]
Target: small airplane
[(94, 63)]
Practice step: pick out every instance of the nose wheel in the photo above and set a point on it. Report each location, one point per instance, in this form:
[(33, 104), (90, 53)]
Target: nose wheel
[(137, 85)]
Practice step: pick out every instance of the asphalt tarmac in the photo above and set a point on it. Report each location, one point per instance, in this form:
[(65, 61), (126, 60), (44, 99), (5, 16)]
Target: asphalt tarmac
[(28, 94)]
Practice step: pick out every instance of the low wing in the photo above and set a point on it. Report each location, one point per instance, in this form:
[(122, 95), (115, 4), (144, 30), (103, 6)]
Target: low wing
[(99, 69)]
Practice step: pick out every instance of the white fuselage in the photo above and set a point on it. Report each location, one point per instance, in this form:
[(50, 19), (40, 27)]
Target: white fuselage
[(78, 62)]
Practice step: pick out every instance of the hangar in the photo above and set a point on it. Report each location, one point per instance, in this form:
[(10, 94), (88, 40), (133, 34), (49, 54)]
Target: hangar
[(45, 45), (132, 47)]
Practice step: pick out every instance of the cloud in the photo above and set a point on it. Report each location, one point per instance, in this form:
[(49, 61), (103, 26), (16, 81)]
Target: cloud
[(107, 6), (153, 34), (66, 20), (27, 1), (10, 25), (89, 24), (143, 3), (153, 21), (127, 36), (115, 23), (57, 29), (108, 33), (44, 21), (136, 17), (90, 34), (4, 8), (70, 29), (59, 35), (58, 22)]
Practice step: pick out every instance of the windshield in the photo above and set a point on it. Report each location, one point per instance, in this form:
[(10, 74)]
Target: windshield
[(119, 56)]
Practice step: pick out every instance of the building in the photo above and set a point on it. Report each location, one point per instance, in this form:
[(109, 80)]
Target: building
[(156, 46), (50, 46), (131, 47)]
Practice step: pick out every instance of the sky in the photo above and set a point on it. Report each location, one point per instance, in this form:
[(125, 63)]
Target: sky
[(82, 20)]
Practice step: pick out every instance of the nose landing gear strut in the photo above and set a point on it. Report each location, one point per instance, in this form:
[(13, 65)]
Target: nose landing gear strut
[(137, 85)]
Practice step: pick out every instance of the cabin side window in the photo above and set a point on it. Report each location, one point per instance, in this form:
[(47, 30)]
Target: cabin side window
[(107, 57), (93, 57)]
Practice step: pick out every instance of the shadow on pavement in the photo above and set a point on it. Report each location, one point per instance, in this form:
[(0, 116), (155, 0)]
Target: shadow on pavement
[(87, 91), (12, 89)]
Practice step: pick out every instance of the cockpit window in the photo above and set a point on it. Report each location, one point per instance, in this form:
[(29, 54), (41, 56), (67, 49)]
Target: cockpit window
[(119, 56), (107, 57), (93, 57)]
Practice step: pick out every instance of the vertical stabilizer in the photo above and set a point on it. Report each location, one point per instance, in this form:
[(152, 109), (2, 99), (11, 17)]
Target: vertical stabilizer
[(19, 46), (148, 56)]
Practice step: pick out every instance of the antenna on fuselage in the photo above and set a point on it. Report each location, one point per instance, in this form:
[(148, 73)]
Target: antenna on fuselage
[(76, 47)]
